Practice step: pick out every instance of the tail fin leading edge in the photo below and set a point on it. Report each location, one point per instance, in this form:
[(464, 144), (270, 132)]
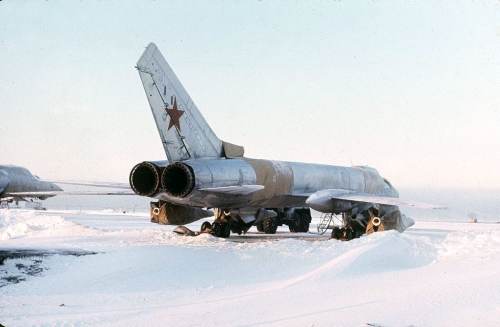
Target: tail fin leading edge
[(184, 132)]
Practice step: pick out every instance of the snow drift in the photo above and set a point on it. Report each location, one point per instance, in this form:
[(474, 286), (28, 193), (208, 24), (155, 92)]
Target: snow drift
[(434, 274)]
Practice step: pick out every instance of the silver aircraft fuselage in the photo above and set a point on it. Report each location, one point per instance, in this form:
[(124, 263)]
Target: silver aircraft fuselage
[(285, 184)]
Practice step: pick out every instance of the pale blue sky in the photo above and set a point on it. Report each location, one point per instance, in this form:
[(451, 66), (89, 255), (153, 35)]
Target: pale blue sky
[(410, 88)]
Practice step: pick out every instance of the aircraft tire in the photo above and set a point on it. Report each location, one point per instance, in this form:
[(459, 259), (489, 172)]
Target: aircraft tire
[(226, 230), (295, 225), (336, 233), (260, 226), (270, 225), (217, 229), (304, 222), (346, 234), (206, 225)]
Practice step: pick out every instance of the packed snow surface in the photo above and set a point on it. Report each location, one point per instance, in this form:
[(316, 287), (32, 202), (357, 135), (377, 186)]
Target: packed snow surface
[(112, 269)]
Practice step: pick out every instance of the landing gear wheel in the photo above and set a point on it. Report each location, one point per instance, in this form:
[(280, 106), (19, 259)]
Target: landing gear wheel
[(260, 226), (270, 225), (300, 222), (336, 233), (304, 222), (346, 234), (206, 225), (294, 226), (226, 231), (221, 229), (217, 229)]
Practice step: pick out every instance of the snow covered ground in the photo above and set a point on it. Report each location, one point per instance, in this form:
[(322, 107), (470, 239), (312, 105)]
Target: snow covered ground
[(114, 269)]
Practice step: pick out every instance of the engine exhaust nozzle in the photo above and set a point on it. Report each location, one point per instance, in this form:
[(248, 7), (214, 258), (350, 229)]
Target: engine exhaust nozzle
[(145, 179), (177, 179)]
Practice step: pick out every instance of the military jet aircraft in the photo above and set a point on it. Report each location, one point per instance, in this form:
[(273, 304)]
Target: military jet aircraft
[(18, 184), (204, 172)]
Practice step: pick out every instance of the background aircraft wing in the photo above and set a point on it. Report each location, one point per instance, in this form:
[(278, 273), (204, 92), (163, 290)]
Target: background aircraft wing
[(96, 184), (53, 193)]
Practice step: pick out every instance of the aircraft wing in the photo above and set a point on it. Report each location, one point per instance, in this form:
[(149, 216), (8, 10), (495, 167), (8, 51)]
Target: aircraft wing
[(95, 184), (234, 190), (322, 200), (368, 198), (53, 193)]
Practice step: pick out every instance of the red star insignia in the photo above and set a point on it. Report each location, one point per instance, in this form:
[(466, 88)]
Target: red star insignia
[(175, 114)]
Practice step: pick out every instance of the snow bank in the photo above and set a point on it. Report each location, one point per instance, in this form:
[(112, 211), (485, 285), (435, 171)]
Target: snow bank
[(471, 244), (20, 224), (435, 274)]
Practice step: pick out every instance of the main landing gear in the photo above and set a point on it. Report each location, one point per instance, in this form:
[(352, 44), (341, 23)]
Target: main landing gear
[(345, 234), (268, 226), (300, 221), (220, 227), (239, 221), (297, 219)]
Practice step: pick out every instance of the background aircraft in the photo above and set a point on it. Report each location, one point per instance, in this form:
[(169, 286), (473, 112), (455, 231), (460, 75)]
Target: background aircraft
[(18, 184), (204, 172)]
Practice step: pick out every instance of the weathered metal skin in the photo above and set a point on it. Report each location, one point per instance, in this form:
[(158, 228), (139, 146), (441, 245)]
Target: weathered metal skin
[(19, 179), (286, 184), (210, 173)]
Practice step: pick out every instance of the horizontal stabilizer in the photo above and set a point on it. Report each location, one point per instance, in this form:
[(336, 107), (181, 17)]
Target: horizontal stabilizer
[(234, 190)]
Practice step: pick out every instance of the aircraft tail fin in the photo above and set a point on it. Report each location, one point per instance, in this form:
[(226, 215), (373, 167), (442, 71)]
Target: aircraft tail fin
[(184, 132)]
